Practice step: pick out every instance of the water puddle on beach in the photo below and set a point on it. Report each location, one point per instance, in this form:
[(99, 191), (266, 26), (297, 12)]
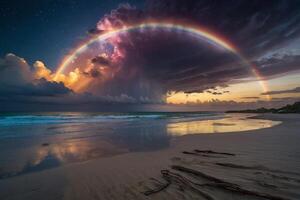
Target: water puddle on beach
[(28, 148), (233, 123)]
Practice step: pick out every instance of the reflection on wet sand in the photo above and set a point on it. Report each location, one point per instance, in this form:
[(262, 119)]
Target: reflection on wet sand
[(65, 143), (54, 155), (74, 151), (232, 123)]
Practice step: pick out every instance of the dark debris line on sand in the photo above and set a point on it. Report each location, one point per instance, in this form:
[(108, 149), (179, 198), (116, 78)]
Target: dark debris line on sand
[(184, 183), (208, 153), (161, 187), (200, 154), (255, 167), (213, 152), (225, 185)]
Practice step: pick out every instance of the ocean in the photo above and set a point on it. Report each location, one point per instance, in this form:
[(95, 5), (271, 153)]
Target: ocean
[(31, 142)]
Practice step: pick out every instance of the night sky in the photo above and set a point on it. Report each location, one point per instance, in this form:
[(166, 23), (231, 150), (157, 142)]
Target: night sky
[(195, 55), (47, 29)]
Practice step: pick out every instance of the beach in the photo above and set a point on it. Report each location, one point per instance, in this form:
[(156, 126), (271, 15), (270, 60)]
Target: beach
[(261, 163)]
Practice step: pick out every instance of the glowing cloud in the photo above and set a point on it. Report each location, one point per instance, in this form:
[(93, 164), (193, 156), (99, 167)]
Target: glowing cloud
[(197, 31)]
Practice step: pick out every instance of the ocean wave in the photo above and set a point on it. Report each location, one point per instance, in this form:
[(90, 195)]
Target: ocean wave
[(28, 119)]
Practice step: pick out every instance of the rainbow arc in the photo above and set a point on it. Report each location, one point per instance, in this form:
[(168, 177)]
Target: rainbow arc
[(196, 30)]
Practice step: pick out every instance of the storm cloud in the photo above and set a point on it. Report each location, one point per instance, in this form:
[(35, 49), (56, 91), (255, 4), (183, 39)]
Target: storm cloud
[(17, 78), (21, 85), (154, 62), (295, 90)]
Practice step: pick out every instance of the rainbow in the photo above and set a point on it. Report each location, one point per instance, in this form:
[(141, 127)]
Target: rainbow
[(196, 30)]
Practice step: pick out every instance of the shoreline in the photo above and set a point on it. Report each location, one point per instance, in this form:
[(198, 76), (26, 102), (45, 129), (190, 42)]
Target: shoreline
[(127, 176)]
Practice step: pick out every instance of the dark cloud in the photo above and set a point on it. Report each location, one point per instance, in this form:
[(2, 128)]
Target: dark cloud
[(100, 60), (95, 73), (177, 61), (94, 31), (217, 105), (19, 86), (250, 98), (214, 92), (255, 26), (42, 87), (17, 79), (288, 100), (290, 91), (92, 73), (278, 64), (39, 87)]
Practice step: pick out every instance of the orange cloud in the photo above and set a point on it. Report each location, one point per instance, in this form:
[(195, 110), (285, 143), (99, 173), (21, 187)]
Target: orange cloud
[(69, 80), (41, 71)]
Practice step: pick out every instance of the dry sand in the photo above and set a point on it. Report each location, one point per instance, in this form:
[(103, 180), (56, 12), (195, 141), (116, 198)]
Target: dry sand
[(266, 162)]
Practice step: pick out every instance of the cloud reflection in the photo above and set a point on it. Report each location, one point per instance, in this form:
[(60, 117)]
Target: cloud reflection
[(234, 123)]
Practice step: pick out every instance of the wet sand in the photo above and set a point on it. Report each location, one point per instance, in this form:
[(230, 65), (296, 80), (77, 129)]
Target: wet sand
[(256, 164)]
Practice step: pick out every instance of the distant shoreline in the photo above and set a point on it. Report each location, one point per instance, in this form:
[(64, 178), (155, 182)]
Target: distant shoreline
[(294, 108)]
